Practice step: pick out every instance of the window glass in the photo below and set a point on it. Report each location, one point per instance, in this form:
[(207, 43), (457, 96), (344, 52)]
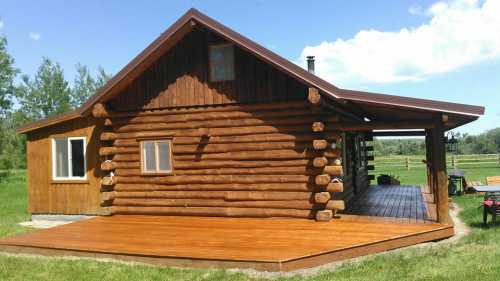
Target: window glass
[(61, 158), (164, 156), (77, 158), (149, 156), (68, 158), (156, 156), (221, 63)]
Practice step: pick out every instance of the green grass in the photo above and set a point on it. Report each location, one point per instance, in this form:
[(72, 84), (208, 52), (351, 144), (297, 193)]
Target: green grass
[(474, 257), (417, 176)]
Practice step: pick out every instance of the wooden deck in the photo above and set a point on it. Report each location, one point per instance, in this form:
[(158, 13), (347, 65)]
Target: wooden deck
[(264, 244), (404, 202)]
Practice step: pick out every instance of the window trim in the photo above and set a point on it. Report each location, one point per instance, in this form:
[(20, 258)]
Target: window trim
[(70, 157), (233, 65), (157, 171)]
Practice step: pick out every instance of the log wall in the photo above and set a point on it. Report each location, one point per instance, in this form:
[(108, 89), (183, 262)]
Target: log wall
[(244, 160)]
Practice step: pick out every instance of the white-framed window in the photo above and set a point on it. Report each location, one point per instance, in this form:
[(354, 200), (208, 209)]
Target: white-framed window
[(156, 156), (68, 158), (221, 60)]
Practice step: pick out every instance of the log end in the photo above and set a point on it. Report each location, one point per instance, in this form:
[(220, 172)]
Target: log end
[(335, 187), (324, 215), (322, 179), (322, 197), (320, 162), (337, 205), (318, 127), (320, 144), (313, 96), (99, 111)]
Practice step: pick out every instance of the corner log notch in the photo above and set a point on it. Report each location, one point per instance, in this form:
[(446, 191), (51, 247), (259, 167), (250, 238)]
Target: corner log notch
[(328, 207)]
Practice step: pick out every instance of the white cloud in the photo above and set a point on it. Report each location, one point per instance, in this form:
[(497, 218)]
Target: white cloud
[(35, 36), (458, 33), (416, 10)]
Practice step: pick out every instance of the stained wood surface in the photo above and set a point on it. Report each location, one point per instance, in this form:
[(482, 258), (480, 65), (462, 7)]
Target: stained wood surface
[(230, 239), (397, 201), (47, 196), (181, 78)]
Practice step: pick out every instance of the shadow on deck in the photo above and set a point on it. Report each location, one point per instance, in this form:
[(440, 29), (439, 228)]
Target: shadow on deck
[(404, 202)]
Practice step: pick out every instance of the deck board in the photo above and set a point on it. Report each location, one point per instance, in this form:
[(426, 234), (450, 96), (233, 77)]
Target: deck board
[(404, 202), (271, 244)]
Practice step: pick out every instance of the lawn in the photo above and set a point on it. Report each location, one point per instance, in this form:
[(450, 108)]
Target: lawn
[(417, 175), (475, 257)]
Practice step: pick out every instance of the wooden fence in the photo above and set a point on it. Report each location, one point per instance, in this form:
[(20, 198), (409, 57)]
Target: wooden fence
[(452, 161)]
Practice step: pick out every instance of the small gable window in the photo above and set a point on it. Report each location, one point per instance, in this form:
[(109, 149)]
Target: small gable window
[(156, 156), (221, 60)]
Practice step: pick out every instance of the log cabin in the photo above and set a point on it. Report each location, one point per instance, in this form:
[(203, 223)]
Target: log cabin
[(206, 122)]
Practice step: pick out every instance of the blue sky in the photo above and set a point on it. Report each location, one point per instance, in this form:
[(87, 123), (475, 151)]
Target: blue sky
[(446, 50)]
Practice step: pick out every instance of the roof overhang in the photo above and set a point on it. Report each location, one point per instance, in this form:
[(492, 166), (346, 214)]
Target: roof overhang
[(192, 18)]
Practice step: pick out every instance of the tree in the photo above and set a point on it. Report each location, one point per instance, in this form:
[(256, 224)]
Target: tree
[(9, 142), (85, 85), (47, 94), (7, 74)]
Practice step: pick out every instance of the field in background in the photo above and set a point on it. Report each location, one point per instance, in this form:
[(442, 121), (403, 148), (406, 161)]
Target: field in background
[(411, 170)]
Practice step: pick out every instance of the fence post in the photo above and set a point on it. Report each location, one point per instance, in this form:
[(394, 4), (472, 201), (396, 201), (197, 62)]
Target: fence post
[(407, 163)]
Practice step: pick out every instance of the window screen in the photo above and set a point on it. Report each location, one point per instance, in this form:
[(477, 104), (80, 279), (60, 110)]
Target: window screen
[(221, 62), (156, 156)]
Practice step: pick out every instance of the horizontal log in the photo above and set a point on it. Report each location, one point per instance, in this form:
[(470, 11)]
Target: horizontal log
[(226, 123), (277, 137), (322, 197), (370, 167), (154, 202), (217, 108), (223, 187), (322, 179), (207, 116), (210, 132), (370, 157), (212, 148), (217, 179), (324, 215), (188, 165), (371, 177), (333, 170), (338, 205), (304, 170), (313, 96), (320, 144), (238, 155), (99, 111), (214, 211), (225, 195), (318, 127), (320, 161), (335, 187)]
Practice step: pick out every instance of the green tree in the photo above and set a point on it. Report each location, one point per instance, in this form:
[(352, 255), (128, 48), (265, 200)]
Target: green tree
[(84, 85), (47, 94), (7, 74), (9, 141)]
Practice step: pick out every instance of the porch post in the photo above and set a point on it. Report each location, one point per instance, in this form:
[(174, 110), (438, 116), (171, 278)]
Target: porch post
[(439, 177)]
